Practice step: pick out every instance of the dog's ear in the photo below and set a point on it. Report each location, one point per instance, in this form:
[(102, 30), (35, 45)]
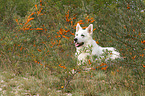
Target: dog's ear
[(90, 29), (78, 27)]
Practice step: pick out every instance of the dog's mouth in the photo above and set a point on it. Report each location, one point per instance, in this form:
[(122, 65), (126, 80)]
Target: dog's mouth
[(79, 44)]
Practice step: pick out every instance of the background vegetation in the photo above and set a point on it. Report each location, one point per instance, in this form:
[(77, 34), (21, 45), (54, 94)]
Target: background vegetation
[(37, 50)]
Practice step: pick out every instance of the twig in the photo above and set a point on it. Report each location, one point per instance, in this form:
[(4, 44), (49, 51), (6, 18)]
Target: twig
[(68, 81)]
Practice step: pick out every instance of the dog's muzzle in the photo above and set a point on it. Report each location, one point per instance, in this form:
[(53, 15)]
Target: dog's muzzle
[(75, 40), (78, 44)]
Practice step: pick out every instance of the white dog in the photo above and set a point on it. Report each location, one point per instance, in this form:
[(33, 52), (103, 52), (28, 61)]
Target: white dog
[(87, 47)]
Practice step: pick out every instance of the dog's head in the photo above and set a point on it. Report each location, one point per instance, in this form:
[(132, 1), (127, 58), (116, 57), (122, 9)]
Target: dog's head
[(83, 36)]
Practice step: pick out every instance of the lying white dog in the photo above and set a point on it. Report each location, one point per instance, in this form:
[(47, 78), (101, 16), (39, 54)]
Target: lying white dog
[(87, 47)]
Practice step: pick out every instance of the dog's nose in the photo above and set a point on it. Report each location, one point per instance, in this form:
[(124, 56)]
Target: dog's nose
[(75, 39)]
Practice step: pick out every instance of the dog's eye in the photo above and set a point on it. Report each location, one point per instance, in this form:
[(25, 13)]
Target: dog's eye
[(76, 34), (83, 35)]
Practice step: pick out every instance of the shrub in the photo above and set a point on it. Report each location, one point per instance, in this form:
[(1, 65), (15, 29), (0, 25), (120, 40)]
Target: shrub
[(44, 37)]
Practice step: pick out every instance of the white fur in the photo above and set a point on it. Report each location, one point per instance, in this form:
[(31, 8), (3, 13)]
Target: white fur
[(90, 47)]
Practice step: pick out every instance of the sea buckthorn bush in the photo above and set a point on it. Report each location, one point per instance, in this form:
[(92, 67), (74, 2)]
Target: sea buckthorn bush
[(41, 38)]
